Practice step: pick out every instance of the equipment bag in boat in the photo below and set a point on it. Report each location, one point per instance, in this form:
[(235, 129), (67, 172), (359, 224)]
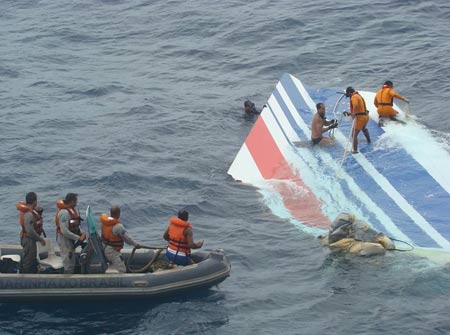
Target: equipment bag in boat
[(7, 265), (92, 257)]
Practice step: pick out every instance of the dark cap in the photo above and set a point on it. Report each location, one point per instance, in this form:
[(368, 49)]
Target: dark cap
[(30, 198), (349, 91), (70, 197), (389, 83), (183, 214)]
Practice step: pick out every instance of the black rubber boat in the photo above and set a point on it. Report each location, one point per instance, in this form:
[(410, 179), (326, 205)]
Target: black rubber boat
[(210, 268), (149, 273)]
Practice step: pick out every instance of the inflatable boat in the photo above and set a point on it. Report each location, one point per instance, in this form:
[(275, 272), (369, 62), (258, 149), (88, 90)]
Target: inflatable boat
[(149, 274), (399, 183), (210, 268)]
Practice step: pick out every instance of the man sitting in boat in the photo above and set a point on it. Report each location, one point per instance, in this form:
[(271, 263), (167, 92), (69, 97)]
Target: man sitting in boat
[(356, 236), (68, 230), (384, 101), (181, 240), (113, 237), (321, 125), (30, 219)]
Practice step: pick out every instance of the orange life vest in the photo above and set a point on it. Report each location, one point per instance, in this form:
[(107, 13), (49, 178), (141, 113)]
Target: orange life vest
[(108, 237), (384, 96), (23, 208), (177, 240), (360, 108), (384, 101), (74, 221)]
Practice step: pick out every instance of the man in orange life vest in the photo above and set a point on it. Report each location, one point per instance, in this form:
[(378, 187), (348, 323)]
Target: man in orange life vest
[(68, 230), (360, 116), (30, 219), (113, 236), (384, 101), (180, 238)]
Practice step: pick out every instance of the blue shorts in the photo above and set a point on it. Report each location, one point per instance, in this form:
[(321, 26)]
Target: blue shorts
[(178, 259)]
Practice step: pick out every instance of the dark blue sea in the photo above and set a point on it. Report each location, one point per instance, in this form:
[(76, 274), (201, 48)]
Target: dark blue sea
[(140, 103)]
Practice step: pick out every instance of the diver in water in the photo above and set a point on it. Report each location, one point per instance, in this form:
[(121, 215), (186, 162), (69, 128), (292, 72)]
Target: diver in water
[(250, 108)]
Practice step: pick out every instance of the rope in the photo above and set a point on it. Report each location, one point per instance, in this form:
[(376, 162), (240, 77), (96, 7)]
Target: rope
[(146, 267), (407, 111), (339, 119), (344, 155), (411, 247), (337, 103), (336, 117)]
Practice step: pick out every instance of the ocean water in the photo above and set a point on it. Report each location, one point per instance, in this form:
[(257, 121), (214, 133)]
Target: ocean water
[(139, 103)]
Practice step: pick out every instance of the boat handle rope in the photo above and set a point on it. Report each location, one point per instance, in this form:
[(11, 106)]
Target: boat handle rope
[(146, 267)]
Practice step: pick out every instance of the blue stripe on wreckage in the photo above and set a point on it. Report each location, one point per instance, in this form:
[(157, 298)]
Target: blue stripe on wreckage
[(366, 182)]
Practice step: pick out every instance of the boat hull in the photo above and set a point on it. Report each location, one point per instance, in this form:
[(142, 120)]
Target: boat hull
[(213, 267)]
